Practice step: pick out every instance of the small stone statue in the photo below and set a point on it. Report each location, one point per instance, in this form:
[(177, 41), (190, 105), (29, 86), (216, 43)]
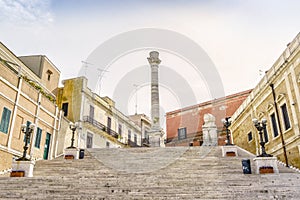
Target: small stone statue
[(209, 129)]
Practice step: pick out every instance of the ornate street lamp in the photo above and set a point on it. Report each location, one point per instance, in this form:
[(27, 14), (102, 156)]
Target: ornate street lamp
[(73, 127), (261, 127), (27, 131), (227, 122)]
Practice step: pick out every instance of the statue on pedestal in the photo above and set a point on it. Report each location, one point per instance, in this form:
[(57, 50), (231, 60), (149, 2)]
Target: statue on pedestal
[(209, 129)]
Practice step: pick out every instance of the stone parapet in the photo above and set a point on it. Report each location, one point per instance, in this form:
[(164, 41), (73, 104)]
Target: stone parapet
[(71, 153), (266, 165), (229, 150), (24, 168)]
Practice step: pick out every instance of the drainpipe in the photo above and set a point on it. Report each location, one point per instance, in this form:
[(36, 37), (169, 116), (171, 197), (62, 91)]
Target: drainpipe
[(279, 126)]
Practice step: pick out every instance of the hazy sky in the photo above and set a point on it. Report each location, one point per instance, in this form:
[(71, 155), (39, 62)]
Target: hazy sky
[(240, 36)]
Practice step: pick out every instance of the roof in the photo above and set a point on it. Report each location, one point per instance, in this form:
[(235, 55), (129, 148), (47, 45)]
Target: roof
[(218, 100)]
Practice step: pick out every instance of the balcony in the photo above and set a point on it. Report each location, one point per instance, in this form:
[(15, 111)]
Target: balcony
[(100, 126)]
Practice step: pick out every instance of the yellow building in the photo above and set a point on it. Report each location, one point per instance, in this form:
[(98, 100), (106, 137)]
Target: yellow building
[(100, 123), (277, 99), (26, 97)]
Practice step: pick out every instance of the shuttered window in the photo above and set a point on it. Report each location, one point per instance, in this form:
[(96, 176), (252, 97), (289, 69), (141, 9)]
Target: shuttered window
[(38, 137), (5, 120)]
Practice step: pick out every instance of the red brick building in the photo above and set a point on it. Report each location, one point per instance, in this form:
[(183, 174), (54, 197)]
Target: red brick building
[(184, 126)]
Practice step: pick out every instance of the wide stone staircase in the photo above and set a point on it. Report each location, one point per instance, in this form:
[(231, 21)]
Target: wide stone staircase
[(151, 173)]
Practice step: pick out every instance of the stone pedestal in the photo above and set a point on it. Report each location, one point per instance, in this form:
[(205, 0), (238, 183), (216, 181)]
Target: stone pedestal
[(266, 165), (156, 138), (22, 168), (229, 150), (71, 153), (209, 129)]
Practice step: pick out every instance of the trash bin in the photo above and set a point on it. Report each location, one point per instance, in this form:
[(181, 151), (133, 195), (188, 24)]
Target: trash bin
[(246, 166), (81, 153)]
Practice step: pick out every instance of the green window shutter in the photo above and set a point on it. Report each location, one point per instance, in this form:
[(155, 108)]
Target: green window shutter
[(38, 137), (5, 120)]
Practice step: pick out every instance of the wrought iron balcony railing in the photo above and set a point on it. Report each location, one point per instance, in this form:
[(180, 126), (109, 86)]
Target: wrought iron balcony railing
[(100, 126)]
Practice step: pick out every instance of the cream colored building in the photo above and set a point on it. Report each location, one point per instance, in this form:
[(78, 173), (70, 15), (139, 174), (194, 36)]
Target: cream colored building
[(277, 99), (100, 123), (145, 123), (26, 96)]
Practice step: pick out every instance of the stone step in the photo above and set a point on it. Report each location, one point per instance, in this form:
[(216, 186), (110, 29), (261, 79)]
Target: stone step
[(151, 173)]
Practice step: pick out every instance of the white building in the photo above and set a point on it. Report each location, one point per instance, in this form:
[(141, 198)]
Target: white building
[(100, 123)]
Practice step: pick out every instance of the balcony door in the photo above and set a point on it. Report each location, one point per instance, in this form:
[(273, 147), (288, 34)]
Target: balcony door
[(108, 125), (91, 112)]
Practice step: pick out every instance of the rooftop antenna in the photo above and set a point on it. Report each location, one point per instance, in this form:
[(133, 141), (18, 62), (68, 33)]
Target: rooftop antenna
[(100, 74), (136, 87), (85, 65)]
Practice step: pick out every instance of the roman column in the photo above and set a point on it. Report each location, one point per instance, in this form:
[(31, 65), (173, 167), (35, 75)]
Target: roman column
[(154, 61)]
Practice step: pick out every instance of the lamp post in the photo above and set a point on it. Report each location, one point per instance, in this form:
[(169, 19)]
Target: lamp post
[(73, 127), (27, 131), (261, 127), (227, 122)]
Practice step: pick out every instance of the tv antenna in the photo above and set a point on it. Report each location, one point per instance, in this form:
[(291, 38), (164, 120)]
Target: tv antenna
[(100, 74), (85, 65), (136, 88)]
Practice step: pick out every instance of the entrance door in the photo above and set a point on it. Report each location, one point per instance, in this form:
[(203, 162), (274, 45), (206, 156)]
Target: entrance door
[(47, 146)]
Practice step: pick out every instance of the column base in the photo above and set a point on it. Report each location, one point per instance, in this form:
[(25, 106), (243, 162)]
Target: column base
[(266, 165), (155, 138), (22, 168)]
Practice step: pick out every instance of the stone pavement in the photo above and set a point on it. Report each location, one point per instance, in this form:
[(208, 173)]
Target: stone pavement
[(151, 173)]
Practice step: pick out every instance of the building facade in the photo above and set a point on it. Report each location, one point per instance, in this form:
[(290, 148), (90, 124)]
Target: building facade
[(145, 123), (26, 97), (100, 123), (184, 126), (277, 99)]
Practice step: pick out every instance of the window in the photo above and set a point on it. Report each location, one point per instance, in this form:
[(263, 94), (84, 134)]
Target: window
[(92, 110), (129, 134), (38, 137), (89, 140), (285, 117), (49, 73), (274, 125), (65, 108), (120, 129), (266, 137), (181, 133), (135, 138), (108, 125), (5, 120), (250, 136)]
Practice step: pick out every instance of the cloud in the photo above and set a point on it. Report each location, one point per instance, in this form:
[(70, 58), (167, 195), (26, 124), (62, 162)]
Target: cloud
[(25, 11)]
